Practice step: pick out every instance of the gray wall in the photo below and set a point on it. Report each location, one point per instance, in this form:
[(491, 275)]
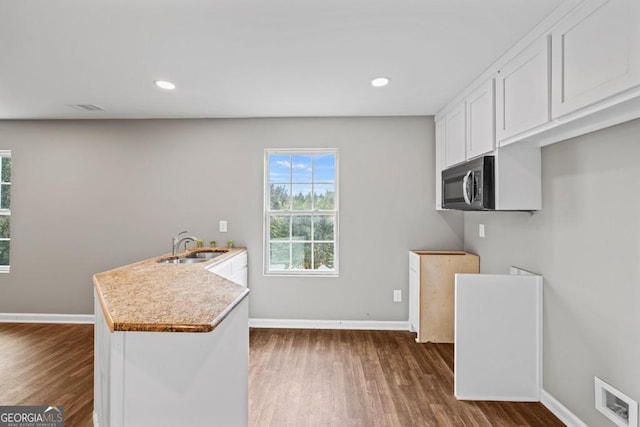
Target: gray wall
[(89, 196), (585, 244)]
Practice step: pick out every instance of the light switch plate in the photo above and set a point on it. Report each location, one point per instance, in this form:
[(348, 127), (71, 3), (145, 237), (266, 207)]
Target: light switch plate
[(481, 230), (223, 226), (397, 295)]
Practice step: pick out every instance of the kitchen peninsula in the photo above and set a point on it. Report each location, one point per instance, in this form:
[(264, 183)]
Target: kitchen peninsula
[(172, 341)]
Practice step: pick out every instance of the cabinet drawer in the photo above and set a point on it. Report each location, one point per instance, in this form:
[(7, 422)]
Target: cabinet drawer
[(231, 267)]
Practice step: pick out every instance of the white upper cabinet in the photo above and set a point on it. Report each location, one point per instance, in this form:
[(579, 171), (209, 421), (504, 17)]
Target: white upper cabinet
[(523, 91), (440, 161), (596, 53), (576, 72), (455, 136), (481, 120)]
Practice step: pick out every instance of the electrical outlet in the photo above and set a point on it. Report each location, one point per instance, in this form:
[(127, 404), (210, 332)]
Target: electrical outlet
[(397, 295), (481, 230), (223, 226)]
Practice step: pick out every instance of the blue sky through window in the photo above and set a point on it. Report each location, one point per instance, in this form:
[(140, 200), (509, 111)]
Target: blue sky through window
[(302, 168), (279, 168), (324, 168)]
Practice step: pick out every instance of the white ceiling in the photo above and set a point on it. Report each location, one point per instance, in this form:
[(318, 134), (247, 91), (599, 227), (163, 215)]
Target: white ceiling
[(249, 58)]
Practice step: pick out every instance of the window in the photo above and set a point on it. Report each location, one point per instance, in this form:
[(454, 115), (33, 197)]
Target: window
[(5, 209), (301, 212)]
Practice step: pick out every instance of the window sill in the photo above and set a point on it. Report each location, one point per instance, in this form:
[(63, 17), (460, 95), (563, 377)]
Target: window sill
[(299, 274)]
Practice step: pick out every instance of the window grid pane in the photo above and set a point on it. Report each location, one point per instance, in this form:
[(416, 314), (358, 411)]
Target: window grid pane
[(4, 252), (5, 196), (280, 196), (279, 227), (5, 176), (280, 256), (301, 196)]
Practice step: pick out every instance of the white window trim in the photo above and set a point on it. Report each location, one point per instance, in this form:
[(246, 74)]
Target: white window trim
[(265, 215), (5, 268)]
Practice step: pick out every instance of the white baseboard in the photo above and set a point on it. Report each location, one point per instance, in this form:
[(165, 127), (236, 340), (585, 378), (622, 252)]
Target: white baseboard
[(330, 324), (498, 398), (560, 411), (45, 318), (254, 323)]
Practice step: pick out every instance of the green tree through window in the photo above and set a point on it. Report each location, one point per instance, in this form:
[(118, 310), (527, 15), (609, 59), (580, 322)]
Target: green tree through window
[(301, 212)]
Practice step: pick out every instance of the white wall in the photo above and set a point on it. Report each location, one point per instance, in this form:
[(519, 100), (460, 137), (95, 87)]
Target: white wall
[(93, 195), (585, 244)]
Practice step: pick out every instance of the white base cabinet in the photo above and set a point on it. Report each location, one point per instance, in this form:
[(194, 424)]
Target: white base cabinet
[(168, 379), (498, 337), (234, 269)]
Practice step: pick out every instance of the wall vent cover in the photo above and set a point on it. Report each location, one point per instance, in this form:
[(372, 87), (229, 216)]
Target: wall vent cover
[(615, 405), (85, 107)]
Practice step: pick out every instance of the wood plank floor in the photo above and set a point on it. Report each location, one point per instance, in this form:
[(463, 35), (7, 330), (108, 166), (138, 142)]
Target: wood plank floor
[(365, 378), (48, 365), (297, 378)]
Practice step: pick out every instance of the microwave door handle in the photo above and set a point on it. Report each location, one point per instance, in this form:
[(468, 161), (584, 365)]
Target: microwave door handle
[(465, 188)]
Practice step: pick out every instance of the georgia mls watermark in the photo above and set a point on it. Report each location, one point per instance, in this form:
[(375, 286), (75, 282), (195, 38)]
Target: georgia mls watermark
[(31, 416)]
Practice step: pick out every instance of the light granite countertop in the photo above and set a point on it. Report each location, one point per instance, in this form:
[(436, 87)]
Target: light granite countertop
[(154, 297)]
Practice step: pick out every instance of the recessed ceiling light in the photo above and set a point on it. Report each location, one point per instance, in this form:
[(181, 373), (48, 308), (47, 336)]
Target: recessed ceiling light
[(163, 84), (380, 81)]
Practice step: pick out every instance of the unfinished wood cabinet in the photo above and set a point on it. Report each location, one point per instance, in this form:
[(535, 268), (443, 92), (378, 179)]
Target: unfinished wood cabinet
[(432, 289)]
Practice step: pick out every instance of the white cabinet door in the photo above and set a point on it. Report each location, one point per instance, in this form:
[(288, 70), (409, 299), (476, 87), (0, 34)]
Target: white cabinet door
[(596, 53), (240, 277), (481, 120), (455, 135), (498, 337), (440, 160), (523, 91)]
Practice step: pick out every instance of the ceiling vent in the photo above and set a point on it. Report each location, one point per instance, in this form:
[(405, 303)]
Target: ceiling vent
[(85, 107)]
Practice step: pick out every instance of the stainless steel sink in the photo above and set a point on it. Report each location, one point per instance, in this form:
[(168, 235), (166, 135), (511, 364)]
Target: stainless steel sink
[(204, 255), (182, 260)]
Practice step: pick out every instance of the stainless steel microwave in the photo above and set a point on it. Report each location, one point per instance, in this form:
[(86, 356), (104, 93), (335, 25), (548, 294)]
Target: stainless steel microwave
[(470, 186)]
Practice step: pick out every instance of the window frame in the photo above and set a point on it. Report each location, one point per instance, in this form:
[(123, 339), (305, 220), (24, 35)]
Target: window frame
[(6, 212), (267, 212)]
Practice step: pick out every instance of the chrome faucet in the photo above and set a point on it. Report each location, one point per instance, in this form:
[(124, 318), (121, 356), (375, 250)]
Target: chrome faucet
[(176, 241)]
